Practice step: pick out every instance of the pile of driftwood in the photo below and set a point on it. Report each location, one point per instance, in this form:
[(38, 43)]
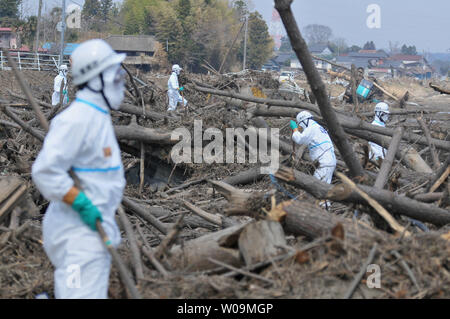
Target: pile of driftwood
[(227, 230)]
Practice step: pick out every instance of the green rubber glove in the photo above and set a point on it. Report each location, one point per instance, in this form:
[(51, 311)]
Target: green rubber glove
[(181, 88), (64, 92), (293, 125), (89, 213)]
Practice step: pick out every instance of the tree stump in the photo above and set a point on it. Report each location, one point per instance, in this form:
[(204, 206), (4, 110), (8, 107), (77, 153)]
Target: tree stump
[(259, 240)]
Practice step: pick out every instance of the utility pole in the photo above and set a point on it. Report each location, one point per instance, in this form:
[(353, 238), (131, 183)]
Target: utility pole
[(63, 29), (38, 27), (245, 41)]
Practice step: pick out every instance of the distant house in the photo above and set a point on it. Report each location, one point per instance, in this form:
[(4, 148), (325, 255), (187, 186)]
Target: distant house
[(320, 49), (347, 61), (139, 48), (412, 65), (366, 59), (8, 39)]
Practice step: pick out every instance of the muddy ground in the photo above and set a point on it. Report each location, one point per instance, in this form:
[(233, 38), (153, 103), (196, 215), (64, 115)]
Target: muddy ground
[(309, 270)]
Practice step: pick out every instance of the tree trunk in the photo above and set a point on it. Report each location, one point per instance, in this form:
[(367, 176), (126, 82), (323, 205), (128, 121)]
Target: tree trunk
[(259, 241), (390, 201)]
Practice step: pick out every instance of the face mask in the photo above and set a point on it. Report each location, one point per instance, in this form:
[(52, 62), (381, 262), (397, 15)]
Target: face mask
[(113, 85)]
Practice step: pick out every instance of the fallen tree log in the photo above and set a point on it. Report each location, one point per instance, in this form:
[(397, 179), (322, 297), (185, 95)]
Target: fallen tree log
[(301, 218), (350, 122), (439, 89), (135, 110), (438, 173), (249, 176), (261, 240), (151, 215), (194, 254), (394, 203), (383, 175), (409, 155), (16, 95), (147, 135)]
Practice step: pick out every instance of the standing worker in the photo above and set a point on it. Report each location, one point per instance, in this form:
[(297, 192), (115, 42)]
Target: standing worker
[(381, 118), (62, 76), (174, 89), (319, 144), (82, 138)]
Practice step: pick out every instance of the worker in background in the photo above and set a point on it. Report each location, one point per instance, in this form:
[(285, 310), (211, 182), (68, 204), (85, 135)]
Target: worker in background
[(319, 143), (320, 147), (381, 118), (62, 76), (174, 89), (82, 138)]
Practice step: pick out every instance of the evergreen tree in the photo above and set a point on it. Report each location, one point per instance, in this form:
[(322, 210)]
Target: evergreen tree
[(369, 46), (259, 42), (105, 8), (9, 12)]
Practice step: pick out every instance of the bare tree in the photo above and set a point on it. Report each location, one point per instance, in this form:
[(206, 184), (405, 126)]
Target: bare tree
[(317, 34)]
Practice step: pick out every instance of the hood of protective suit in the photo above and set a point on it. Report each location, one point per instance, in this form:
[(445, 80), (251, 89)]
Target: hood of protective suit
[(114, 85)]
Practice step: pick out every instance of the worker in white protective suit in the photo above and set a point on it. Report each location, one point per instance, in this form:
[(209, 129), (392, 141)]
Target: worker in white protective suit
[(319, 143), (82, 138), (62, 76), (174, 89), (381, 118)]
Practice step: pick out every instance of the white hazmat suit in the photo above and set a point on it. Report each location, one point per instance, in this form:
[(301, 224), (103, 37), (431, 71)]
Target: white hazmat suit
[(376, 151), (57, 87), (82, 138), (320, 148), (173, 90)]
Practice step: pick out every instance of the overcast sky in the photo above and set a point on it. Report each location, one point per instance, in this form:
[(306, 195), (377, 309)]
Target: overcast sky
[(424, 23)]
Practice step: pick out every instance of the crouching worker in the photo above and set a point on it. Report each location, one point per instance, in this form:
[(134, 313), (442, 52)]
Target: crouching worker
[(82, 138), (319, 144)]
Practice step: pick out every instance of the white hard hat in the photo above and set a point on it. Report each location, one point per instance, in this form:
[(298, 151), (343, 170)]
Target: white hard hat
[(303, 115), (176, 68), (63, 67), (91, 58), (382, 107)]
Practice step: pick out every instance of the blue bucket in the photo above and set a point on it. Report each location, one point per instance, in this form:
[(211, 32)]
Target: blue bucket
[(364, 88)]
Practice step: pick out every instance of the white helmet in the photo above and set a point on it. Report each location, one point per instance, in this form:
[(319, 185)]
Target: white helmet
[(382, 107), (303, 117), (176, 68), (63, 69), (91, 58), (382, 111)]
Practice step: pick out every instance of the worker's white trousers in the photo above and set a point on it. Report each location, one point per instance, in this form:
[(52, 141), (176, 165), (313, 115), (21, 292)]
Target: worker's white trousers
[(175, 98), (55, 98), (82, 264), (325, 172)]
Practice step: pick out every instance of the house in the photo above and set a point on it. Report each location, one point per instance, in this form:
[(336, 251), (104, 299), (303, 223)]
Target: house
[(366, 59), (139, 49), (347, 61), (412, 65), (8, 39), (320, 50)]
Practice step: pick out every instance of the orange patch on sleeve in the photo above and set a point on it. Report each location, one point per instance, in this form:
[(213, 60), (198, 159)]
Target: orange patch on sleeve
[(107, 151)]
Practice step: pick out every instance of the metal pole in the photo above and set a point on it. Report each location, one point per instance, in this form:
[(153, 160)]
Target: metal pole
[(245, 42), (38, 27), (63, 29)]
